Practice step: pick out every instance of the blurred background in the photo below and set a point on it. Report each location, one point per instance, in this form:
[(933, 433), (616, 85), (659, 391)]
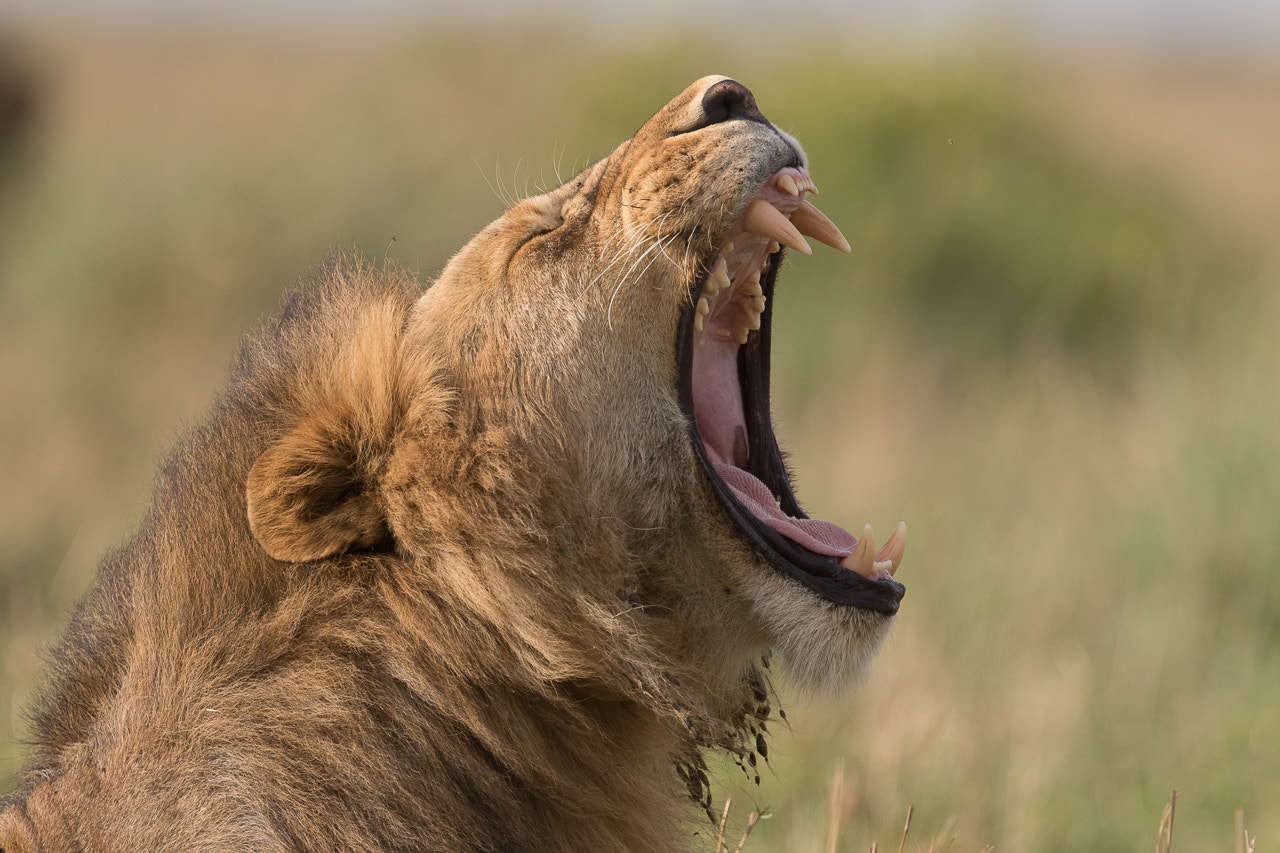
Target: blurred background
[(1053, 350)]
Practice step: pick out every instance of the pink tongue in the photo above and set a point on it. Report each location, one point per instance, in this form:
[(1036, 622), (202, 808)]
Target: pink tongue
[(822, 537)]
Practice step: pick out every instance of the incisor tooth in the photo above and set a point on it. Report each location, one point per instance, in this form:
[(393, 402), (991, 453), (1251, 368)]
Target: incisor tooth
[(765, 220), (810, 221), (788, 185)]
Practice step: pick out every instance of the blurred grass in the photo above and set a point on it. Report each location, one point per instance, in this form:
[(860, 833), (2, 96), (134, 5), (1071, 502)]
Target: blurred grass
[(1055, 366)]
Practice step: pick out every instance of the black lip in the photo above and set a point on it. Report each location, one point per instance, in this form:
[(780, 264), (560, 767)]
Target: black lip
[(821, 574)]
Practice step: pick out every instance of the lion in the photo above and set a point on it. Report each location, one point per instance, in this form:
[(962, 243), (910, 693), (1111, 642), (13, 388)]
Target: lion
[(487, 566)]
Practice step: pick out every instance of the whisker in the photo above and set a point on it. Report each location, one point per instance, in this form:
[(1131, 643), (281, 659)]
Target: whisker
[(624, 278)]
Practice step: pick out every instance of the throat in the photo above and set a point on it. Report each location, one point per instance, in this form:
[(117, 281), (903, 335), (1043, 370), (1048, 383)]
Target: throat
[(717, 401)]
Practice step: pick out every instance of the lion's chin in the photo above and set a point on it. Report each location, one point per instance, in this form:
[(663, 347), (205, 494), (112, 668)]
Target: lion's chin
[(826, 648), (723, 350)]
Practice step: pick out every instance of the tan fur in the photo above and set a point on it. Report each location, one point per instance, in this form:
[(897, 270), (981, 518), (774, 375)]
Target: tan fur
[(441, 571)]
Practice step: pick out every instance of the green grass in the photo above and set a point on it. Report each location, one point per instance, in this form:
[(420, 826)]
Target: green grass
[(1061, 375)]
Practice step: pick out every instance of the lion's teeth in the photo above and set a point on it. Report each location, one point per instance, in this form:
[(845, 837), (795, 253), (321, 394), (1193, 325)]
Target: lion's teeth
[(862, 560), (701, 311), (752, 286), (741, 329), (810, 221), (868, 562), (889, 557), (765, 220), (774, 246), (717, 279), (788, 185)]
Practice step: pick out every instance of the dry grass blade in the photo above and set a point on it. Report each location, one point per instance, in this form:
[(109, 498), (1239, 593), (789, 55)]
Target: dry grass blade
[(724, 818), (752, 820), (1164, 840), (906, 828), (1244, 844), (833, 815), (751, 824)]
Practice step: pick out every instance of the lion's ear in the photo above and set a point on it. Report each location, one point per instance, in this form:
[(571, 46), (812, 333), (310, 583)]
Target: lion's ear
[(308, 500)]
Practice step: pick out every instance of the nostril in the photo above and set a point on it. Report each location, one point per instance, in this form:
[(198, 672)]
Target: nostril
[(728, 100)]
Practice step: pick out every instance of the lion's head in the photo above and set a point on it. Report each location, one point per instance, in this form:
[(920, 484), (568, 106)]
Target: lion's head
[(593, 367)]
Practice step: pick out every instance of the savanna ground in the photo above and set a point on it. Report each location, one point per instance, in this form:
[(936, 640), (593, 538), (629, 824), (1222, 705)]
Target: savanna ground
[(1053, 352)]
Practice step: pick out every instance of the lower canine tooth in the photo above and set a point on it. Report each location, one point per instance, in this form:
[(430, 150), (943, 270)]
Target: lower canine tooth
[(862, 560), (891, 552)]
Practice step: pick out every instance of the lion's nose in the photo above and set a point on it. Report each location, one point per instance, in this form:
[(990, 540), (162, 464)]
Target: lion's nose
[(728, 100)]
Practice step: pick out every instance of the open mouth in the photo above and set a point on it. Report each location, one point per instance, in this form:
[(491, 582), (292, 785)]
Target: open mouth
[(724, 341)]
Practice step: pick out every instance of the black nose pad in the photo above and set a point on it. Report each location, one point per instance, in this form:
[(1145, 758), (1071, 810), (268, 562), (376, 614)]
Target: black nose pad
[(728, 100)]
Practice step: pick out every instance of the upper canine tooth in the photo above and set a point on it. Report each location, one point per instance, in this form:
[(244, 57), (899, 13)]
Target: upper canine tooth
[(788, 185), (765, 220), (812, 222)]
